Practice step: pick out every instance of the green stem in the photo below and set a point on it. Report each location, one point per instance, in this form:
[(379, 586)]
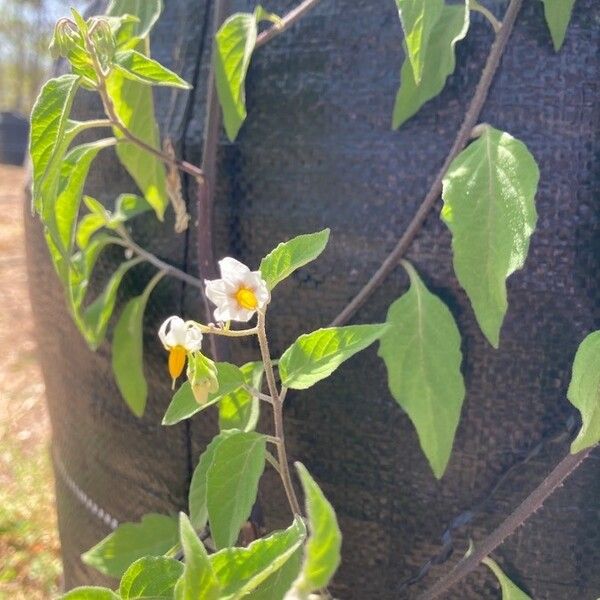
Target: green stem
[(286, 478), (487, 13)]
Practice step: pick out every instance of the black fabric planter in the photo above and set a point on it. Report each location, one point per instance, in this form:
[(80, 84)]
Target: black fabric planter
[(14, 129), (317, 151)]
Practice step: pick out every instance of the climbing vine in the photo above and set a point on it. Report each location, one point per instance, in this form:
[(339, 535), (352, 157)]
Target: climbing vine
[(488, 185)]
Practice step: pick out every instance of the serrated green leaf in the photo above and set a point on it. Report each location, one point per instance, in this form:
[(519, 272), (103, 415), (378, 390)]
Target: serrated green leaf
[(128, 351), (510, 591), (151, 578), (49, 119), (421, 351), (152, 536), (184, 405), (438, 63), (240, 409), (584, 391), (418, 18), (134, 65), (88, 225), (240, 571), (232, 484), (234, 45), (93, 319), (289, 256), (315, 356), (558, 15), (322, 554), (90, 593), (134, 106), (198, 581), (197, 496), (489, 206)]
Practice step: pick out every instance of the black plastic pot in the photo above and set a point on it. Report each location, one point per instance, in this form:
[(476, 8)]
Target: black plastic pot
[(316, 151), (14, 129)]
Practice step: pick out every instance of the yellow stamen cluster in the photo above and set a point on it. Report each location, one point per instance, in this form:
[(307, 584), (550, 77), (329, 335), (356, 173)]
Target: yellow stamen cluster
[(246, 298)]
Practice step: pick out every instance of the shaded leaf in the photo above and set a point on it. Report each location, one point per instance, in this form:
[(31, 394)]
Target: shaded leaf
[(241, 570), (232, 484), (240, 409), (281, 262), (418, 18), (584, 391), (314, 356), (152, 536), (322, 553), (558, 14), (152, 578), (184, 405), (198, 581), (489, 207), (277, 584), (421, 351), (438, 63), (510, 591), (128, 351), (138, 67)]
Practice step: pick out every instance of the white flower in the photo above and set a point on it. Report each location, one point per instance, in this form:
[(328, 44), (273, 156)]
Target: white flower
[(239, 293), (179, 338)]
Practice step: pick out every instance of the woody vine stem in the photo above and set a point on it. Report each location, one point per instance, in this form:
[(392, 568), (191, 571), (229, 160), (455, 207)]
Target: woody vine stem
[(204, 177)]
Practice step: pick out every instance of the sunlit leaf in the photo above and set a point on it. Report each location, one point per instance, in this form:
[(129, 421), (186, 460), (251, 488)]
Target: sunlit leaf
[(152, 536), (421, 351), (584, 391), (198, 581), (240, 409), (151, 578), (489, 206), (322, 553), (128, 351), (143, 69), (240, 571), (558, 14), (438, 63), (232, 484), (315, 356), (184, 405), (510, 591), (289, 256), (90, 593), (146, 12)]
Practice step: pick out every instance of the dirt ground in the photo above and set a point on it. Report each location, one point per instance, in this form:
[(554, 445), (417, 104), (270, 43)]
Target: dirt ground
[(29, 547)]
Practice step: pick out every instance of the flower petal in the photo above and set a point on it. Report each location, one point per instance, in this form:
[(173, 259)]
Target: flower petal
[(233, 270), (165, 333)]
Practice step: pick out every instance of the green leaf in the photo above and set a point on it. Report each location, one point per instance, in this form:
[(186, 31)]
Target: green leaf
[(418, 18), (234, 45), (315, 356), (322, 552), (184, 405), (198, 581), (238, 461), (421, 351), (49, 119), (128, 351), (509, 590), (152, 578), (289, 256), (90, 593), (134, 106), (438, 63), (558, 14), (240, 571), (134, 65), (240, 409), (277, 584), (197, 495), (489, 207), (93, 320), (584, 391), (152, 536)]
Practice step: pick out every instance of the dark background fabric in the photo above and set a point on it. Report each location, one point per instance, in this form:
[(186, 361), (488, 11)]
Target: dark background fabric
[(316, 151)]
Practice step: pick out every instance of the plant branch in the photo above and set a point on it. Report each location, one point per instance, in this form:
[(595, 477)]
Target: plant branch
[(161, 265), (487, 13), (464, 133), (286, 22), (528, 507), (277, 416), (254, 392), (212, 330)]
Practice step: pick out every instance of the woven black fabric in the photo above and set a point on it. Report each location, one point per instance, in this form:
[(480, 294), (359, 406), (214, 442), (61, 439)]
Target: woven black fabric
[(317, 151)]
